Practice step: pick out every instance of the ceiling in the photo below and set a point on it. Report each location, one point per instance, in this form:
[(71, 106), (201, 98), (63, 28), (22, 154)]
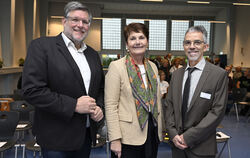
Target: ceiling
[(160, 9)]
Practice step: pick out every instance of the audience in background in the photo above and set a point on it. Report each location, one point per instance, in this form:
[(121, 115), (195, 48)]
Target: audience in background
[(157, 61), (217, 62), (169, 58), (230, 92), (165, 67), (176, 65), (238, 73), (244, 82), (164, 90)]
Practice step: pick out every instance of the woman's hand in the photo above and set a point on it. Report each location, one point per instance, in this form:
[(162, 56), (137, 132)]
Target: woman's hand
[(116, 147)]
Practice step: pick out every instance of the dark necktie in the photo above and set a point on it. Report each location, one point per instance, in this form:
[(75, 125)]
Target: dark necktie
[(186, 94)]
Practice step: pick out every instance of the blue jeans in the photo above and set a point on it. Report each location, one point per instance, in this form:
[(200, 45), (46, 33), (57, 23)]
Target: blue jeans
[(83, 152)]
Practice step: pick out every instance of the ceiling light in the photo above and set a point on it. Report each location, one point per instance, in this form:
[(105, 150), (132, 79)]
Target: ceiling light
[(56, 17), (180, 20), (241, 4), (218, 22), (151, 0), (198, 2)]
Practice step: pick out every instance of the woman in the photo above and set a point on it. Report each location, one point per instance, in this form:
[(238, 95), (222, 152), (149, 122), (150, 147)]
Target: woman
[(165, 68), (133, 99)]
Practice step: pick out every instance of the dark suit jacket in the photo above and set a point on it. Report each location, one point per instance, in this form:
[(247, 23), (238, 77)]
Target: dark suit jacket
[(203, 115), (52, 82)]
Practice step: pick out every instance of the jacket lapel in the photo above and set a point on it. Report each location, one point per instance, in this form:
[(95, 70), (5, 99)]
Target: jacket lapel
[(64, 50), (92, 66), (179, 87), (200, 84)]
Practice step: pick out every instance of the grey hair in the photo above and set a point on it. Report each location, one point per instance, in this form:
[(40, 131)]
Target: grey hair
[(198, 28), (74, 5)]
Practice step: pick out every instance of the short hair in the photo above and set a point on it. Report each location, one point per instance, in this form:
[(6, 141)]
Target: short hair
[(198, 28), (74, 5), (135, 27)]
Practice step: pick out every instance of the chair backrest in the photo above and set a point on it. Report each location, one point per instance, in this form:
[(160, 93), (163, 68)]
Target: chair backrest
[(8, 123), (239, 94), (18, 95), (23, 108)]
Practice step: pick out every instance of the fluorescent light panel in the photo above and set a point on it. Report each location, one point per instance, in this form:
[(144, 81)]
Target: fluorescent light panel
[(180, 20), (218, 22), (60, 17), (241, 4), (151, 0), (198, 2)]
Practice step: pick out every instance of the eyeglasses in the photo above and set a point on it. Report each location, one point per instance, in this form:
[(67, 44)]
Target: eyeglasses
[(76, 21), (196, 43)]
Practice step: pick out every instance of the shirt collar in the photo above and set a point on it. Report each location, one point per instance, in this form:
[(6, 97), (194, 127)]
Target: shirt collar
[(200, 65), (69, 43)]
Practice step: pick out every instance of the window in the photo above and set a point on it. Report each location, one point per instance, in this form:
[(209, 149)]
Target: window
[(111, 33), (207, 26), (179, 29), (128, 21), (157, 34)]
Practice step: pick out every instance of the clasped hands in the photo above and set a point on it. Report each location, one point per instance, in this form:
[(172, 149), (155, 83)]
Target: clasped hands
[(179, 142), (86, 104)]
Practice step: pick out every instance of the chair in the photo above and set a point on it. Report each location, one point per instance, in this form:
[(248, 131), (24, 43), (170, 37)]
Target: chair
[(8, 123), (32, 145), (238, 96), (4, 104), (223, 138), (24, 109), (18, 94)]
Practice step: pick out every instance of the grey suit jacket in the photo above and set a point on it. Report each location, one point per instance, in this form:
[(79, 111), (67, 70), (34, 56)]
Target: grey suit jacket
[(204, 113)]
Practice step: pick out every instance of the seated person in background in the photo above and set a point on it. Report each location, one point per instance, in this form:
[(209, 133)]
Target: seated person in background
[(163, 84), (217, 62), (238, 73), (165, 66), (244, 82), (176, 65), (230, 88), (164, 90)]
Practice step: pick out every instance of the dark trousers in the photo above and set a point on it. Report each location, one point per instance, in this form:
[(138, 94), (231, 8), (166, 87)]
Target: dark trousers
[(83, 152), (178, 153), (147, 150)]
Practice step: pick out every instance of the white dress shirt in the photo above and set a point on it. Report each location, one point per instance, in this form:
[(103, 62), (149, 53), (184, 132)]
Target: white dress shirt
[(195, 77), (143, 75), (81, 61)]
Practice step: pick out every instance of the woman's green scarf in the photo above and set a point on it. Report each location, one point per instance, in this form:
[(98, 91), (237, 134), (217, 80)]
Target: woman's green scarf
[(145, 99)]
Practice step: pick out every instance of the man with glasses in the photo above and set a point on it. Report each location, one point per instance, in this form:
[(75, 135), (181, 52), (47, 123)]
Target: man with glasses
[(63, 79), (196, 101)]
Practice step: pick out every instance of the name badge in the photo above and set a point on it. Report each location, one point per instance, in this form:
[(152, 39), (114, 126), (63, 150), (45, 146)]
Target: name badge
[(205, 95)]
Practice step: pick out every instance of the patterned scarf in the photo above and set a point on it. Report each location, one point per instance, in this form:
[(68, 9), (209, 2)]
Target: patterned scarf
[(145, 99)]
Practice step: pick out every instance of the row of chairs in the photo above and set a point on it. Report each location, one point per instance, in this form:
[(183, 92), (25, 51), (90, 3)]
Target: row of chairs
[(17, 120), (239, 97)]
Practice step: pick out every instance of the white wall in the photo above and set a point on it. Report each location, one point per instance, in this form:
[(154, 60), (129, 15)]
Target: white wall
[(220, 34), (242, 37)]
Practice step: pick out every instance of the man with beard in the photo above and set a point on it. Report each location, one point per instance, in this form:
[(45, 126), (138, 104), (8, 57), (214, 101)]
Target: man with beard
[(196, 101), (63, 79)]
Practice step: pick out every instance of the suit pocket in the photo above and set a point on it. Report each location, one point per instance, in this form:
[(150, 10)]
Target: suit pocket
[(125, 118)]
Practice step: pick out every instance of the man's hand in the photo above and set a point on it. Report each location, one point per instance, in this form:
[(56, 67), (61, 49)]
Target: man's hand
[(85, 104), (116, 147), (183, 141), (179, 142), (97, 115)]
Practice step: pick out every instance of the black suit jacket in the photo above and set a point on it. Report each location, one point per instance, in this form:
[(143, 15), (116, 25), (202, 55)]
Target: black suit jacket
[(52, 82)]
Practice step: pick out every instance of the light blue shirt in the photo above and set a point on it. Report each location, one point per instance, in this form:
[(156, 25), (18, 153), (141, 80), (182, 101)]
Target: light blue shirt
[(195, 77)]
